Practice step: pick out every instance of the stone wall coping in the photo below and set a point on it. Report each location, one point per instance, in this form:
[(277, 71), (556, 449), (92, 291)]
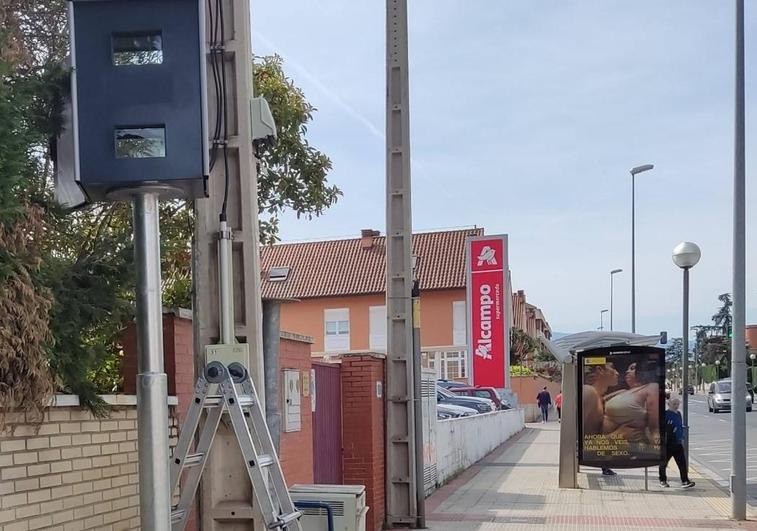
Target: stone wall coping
[(296, 337), (113, 400)]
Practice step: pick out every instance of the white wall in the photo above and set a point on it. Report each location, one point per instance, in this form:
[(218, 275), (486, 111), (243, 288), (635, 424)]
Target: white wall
[(463, 441)]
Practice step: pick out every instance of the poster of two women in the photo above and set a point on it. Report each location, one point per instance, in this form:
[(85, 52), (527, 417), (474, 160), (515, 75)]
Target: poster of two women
[(621, 406)]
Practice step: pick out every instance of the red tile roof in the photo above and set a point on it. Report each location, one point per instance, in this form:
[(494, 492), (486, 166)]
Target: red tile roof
[(344, 267)]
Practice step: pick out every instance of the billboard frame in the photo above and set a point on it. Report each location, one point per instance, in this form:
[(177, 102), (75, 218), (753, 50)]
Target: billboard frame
[(609, 352)]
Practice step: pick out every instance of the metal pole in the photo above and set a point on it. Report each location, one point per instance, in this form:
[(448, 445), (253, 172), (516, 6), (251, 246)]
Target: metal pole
[(633, 253), (738, 353), (152, 385), (225, 279), (271, 345), (611, 287), (420, 487), (685, 356)]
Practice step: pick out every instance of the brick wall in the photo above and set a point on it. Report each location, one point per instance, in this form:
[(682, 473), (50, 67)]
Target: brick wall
[(363, 431), (296, 448), (72, 472)]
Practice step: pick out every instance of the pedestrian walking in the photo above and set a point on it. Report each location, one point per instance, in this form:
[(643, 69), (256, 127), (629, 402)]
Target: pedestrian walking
[(558, 405), (544, 400), (674, 437)]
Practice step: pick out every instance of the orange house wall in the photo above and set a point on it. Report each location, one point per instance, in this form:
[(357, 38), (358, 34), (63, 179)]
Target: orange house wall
[(306, 317)]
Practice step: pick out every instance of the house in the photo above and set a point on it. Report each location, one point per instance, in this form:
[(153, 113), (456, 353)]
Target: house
[(334, 292)]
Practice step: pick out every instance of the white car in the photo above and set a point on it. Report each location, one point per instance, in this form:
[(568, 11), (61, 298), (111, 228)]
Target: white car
[(719, 397), (447, 411)]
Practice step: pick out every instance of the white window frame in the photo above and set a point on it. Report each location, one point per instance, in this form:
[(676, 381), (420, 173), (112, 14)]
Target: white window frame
[(377, 328), (459, 324), (339, 340)]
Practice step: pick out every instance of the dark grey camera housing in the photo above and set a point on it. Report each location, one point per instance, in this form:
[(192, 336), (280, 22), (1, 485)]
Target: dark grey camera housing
[(138, 96)]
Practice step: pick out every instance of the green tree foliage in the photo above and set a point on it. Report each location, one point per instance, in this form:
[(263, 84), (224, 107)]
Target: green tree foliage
[(293, 173)]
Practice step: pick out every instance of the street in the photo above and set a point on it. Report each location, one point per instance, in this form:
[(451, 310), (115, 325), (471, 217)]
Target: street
[(710, 443)]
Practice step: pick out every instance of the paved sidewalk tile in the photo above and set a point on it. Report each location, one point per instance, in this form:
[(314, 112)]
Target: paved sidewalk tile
[(515, 487)]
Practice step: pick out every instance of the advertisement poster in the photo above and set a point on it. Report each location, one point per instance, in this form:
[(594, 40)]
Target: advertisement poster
[(621, 406), (488, 306)]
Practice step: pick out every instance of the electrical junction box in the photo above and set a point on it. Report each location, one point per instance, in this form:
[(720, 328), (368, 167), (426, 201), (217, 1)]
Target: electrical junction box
[(228, 354), (138, 97), (347, 503)]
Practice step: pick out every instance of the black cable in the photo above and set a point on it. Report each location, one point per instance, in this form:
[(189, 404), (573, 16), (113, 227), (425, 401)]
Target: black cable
[(225, 114), (214, 28)]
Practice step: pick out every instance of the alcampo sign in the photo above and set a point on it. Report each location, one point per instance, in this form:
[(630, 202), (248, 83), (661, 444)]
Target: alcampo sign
[(487, 310)]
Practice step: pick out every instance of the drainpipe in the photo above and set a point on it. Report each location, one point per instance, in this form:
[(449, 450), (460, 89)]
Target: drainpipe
[(271, 342)]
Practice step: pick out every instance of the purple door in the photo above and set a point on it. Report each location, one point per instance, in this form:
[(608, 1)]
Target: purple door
[(327, 425)]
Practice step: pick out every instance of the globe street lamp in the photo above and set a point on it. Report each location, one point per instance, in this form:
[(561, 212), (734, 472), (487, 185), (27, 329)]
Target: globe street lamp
[(686, 255), (634, 172), (703, 366), (612, 275), (717, 366)]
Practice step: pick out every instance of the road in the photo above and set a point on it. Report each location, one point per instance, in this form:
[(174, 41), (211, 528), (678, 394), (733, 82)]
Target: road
[(710, 442)]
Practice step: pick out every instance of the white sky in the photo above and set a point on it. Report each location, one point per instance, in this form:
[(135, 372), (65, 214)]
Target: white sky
[(526, 117)]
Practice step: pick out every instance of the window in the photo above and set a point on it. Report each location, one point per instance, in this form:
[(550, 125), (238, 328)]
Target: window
[(137, 49), (459, 324), (140, 142), (449, 365), (337, 330), (377, 328), (278, 274)]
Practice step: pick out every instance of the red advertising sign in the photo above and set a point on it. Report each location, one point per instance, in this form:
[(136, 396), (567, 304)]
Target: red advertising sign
[(488, 306)]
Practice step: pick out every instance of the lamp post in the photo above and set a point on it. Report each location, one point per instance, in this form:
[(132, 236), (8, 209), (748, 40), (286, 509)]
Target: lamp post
[(686, 255), (703, 366), (634, 172), (717, 369), (601, 319), (612, 275)]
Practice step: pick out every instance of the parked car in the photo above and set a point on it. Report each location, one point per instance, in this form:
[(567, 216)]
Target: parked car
[(481, 405), (481, 392), (451, 411), (449, 384), (719, 396)]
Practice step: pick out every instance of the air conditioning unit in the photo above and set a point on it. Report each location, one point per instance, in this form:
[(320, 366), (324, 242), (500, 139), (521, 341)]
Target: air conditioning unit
[(347, 504)]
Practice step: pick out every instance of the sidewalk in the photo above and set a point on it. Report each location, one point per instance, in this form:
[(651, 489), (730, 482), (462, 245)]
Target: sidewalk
[(515, 487)]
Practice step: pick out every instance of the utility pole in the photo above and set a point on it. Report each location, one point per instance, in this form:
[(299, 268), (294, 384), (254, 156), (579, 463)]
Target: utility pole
[(226, 498), (401, 478), (738, 350)]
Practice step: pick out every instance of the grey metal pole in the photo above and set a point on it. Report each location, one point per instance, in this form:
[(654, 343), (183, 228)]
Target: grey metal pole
[(225, 280), (611, 287), (152, 385), (633, 252), (685, 356), (271, 345), (738, 353), (420, 487)]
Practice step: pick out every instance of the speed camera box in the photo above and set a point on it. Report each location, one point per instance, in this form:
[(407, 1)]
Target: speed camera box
[(138, 91)]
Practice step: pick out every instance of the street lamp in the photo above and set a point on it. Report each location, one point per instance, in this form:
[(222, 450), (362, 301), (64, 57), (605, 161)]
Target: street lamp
[(612, 275), (686, 255), (717, 367), (601, 319), (634, 172), (703, 366)]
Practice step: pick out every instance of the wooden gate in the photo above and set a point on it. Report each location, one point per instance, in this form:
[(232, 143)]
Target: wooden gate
[(327, 424)]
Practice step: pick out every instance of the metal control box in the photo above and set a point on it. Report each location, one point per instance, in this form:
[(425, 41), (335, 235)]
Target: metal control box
[(347, 503), (138, 96)]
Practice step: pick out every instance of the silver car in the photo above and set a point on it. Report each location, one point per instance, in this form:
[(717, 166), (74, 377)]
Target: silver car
[(719, 396)]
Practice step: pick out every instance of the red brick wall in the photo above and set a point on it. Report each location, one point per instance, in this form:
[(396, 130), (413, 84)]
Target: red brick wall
[(296, 448), (363, 431)]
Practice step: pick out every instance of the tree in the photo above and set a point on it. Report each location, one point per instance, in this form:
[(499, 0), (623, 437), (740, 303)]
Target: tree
[(522, 346), (674, 351), (723, 318), (292, 173)]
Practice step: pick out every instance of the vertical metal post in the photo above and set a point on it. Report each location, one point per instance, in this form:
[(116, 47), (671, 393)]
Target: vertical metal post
[(420, 487), (152, 385), (225, 279), (633, 253), (685, 356), (738, 351), (611, 287), (568, 467), (401, 507)]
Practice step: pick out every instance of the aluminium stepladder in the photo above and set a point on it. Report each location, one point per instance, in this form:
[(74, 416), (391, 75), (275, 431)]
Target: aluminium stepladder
[(251, 430)]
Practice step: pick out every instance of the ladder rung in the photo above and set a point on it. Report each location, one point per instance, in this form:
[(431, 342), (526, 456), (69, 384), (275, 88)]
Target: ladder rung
[(193, 459), (214, 400), (285, 519), (265, 460), (176, 515)]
